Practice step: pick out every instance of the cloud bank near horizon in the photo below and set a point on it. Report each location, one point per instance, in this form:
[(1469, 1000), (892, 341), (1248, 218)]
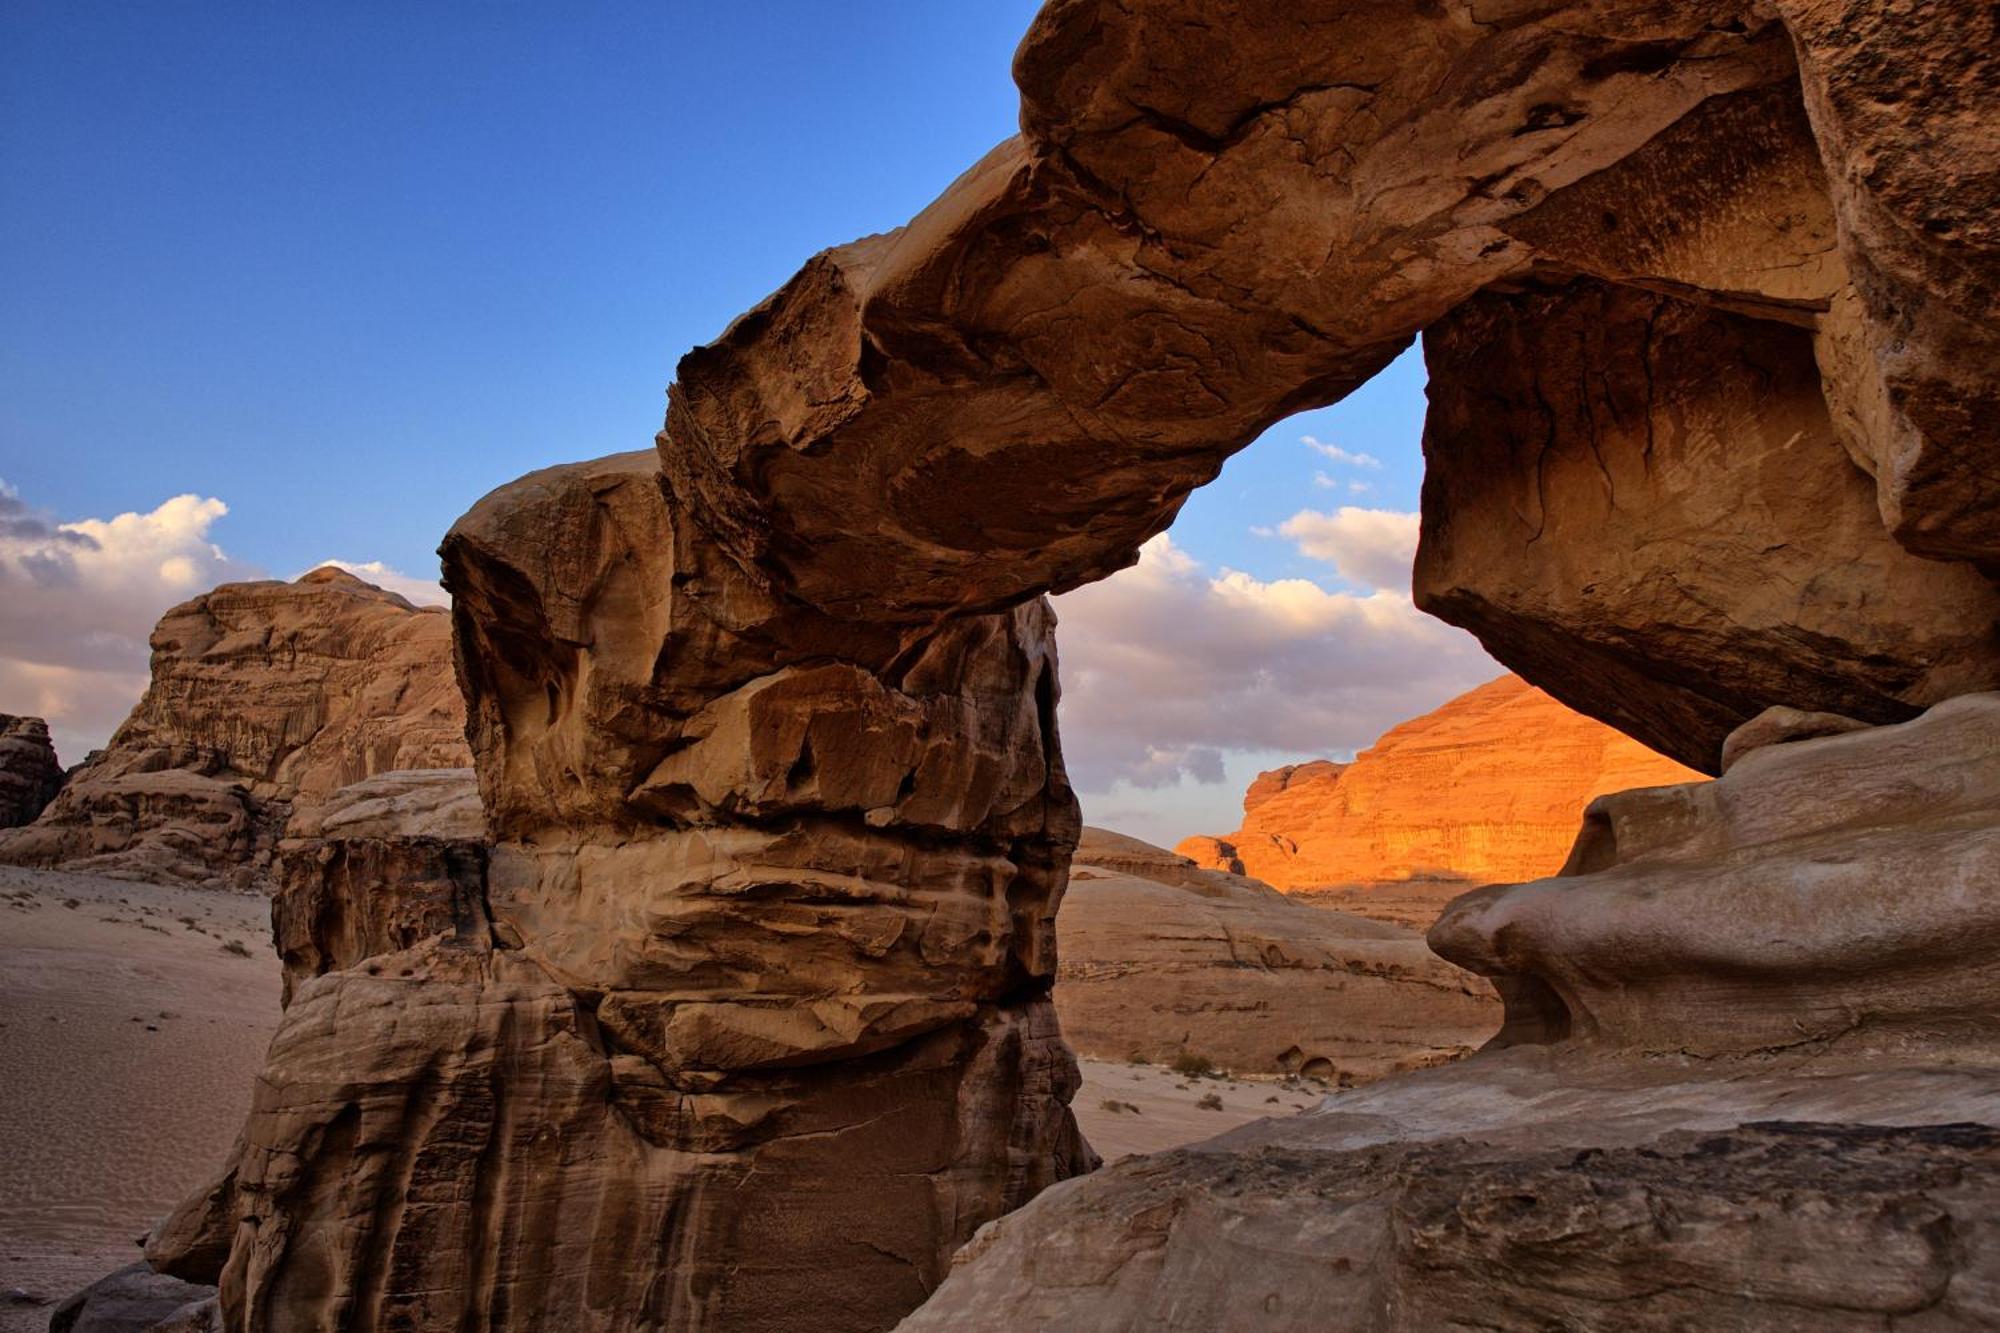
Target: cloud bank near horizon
[(1172, 672), (79, 599), (1168, 667)]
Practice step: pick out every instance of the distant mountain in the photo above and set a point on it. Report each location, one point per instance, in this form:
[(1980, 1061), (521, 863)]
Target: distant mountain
[(1490, 788)]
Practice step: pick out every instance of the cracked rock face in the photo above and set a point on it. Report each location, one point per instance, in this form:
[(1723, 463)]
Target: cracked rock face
[(739, 1018), (262, 695), (30, 776), (1775, 1225)]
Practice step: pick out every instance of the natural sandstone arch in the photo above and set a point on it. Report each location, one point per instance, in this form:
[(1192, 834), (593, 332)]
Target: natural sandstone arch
[(745, 1022)]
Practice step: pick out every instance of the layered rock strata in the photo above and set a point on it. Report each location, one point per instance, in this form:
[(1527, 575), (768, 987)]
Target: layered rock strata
[(1162, 960), (1642, 503), (762, 927), (30, 776), (1748, 1080), (262, 694), (1486, 789), (745, 1022)]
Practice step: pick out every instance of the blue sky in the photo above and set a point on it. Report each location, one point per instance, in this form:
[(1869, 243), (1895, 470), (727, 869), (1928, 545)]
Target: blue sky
[(344, 268)]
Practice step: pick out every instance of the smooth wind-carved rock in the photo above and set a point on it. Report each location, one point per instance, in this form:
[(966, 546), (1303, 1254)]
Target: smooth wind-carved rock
[(1748, 1080), (739, 1015)]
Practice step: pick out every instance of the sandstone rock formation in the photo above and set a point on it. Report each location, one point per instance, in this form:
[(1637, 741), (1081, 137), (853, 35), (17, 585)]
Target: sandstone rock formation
[(744, 1021), (761, 931), (1748, 1080), (30, 776), (1486, 789), (1674, 546), (262, 694), (1161, 959), (1842, 891)]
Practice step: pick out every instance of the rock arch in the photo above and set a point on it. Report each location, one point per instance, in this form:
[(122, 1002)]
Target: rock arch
[(745, 1024)]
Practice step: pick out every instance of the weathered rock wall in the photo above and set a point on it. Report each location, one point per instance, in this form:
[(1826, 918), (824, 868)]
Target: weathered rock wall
[(262, 694), (30, 776), (1642, 502)]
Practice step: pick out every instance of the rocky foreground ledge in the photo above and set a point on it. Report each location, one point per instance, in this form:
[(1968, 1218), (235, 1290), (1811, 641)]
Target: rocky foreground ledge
[(1747, 1081)]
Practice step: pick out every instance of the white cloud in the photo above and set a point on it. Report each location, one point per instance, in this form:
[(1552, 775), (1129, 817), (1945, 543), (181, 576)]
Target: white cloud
[(1165, 667), (1340, 455), (78, 602), (1360, 487), (1374, 548), (424, 592)]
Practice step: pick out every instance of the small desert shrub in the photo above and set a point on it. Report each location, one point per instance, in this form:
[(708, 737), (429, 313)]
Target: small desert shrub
[(1193, 1065), (1210, 1102), (237, 947)]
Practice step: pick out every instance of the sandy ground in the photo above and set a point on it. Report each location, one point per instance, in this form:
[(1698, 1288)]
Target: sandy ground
[(129, 1037), (1157, 1109)]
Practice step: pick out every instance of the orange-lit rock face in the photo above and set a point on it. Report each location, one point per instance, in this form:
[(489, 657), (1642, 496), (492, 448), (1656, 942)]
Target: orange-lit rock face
[(1487, 789)]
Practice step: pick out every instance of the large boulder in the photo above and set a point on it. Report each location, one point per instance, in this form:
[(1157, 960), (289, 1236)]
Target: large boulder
[(30, 776), (1486, 789), (135, 1299), (1162, 960), (262, 694)]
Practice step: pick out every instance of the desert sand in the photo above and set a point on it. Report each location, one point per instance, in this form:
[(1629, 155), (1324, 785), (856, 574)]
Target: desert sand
[(1157, 1109), (129, 1038), (130, 1035)]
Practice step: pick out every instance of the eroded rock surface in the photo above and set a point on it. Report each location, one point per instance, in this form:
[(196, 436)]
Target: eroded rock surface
[(763, 926), (1640, 503), (1486, 789), (746, 1023), (1841, 891), (1748, 1080), (30, 775), (1161, 959), (262, 694)]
